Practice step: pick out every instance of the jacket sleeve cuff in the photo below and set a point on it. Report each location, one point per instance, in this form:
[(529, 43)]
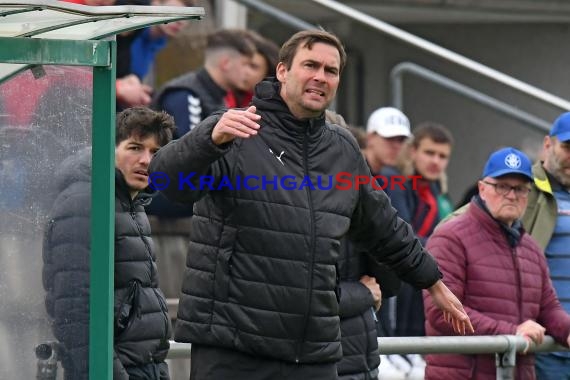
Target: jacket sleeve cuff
[(202, 141), (428, 272)]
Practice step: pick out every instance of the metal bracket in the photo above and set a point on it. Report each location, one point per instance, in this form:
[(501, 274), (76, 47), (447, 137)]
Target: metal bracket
[(506, 362), (38, 71)]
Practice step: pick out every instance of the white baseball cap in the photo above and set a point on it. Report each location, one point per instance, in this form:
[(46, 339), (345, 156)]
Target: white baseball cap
[(388, 122)]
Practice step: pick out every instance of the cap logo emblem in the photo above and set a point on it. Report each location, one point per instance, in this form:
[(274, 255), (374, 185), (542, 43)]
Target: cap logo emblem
[(513, 161)]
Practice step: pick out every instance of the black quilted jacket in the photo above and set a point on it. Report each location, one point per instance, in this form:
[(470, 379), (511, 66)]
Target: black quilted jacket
[(141, 323), (261, 273)]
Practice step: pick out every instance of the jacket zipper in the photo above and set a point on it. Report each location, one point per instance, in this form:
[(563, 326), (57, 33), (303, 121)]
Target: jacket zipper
[(367, 350), (518, 274), (163, 306), (139, 229), (312, 244)]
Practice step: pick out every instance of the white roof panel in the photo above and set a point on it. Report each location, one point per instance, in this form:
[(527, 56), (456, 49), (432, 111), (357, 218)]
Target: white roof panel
[(50, 19)]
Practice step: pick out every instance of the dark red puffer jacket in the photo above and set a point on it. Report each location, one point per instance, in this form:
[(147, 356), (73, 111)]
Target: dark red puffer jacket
[(499, 286)]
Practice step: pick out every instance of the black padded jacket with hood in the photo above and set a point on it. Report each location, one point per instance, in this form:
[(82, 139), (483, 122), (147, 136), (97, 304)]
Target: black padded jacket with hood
[(261, 274), (141, 323)]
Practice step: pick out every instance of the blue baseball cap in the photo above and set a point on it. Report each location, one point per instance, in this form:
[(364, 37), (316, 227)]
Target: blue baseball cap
[(508, 161), (561, 127)]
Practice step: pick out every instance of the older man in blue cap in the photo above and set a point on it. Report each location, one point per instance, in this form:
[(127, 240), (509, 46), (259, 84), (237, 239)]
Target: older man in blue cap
[(498, 272), (547, 219)]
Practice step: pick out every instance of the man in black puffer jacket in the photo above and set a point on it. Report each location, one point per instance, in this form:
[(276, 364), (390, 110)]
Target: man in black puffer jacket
[(141, 323), (193, 96), (260, 293), (363, 284)]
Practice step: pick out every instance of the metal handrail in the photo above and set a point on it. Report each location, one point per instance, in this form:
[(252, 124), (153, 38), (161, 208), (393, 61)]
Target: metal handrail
[(277, 14), (481, 344), (505, 348), (445, 53), (423, 345), (396, 73), (397, 94)]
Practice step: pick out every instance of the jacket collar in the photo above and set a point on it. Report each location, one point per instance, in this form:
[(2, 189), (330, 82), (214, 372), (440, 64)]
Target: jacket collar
[(214, 89), (143, 198), (513, 233), (541, 178)]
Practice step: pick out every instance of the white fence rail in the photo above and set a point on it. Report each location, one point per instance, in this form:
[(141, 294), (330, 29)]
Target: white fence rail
[(504, 347)]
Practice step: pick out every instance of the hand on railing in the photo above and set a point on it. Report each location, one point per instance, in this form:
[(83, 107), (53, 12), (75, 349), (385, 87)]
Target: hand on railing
[(532, 332)]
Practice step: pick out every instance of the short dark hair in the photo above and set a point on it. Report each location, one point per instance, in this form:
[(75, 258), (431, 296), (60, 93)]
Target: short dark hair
[(434, 131), (143, 122), (267, 48), (307, 38), (232, 39)]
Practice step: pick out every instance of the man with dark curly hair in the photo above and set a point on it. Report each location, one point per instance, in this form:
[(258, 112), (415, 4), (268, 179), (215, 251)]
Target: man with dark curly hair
[(141, 322)]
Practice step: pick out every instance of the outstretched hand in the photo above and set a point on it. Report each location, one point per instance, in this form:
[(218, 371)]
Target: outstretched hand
[(236, 123), (453, 312)]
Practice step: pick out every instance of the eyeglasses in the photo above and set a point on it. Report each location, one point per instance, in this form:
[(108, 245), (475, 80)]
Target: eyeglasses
[(504, 189)]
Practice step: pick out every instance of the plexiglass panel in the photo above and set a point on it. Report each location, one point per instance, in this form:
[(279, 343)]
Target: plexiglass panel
[(94, 22), (100, 28), (30, 21), (45, 129)]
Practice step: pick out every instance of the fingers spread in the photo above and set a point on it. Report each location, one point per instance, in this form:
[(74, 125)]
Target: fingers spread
[(459, 320)]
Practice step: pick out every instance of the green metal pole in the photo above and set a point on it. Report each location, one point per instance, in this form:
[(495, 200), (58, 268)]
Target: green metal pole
[(102, 221)]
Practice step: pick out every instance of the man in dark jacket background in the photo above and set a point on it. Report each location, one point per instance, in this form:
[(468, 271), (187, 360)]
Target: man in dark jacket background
[(193, 96), (363, 283), (260, 294), (423, 161), (141, 323)]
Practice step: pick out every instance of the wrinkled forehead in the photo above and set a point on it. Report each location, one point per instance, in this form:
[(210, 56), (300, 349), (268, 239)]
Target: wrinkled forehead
[(319, 52)]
